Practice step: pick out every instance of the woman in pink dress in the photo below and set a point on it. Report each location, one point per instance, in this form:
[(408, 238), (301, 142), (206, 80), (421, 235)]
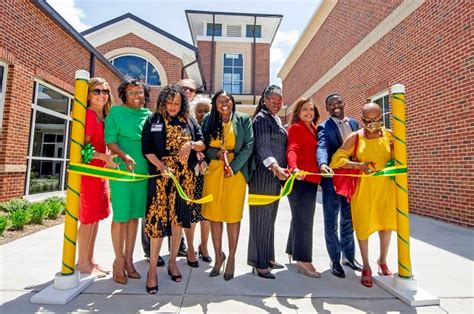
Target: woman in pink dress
[(94, 199)]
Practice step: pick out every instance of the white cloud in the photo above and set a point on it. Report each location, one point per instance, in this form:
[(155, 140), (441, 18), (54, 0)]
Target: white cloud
[(281, 47), (70, 12)]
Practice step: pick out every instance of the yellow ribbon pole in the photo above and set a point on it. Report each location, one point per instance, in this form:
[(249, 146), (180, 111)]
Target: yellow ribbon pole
[(400, 150), (74, 180)]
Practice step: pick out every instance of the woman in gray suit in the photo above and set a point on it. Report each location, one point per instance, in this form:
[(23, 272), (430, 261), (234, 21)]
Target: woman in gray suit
[(270, 169)]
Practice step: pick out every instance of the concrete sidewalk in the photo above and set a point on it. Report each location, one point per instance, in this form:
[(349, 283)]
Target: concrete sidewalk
[(442, 258)]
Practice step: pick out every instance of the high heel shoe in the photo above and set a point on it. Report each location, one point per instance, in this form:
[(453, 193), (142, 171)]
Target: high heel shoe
[(289, 258), (227, 275), (194, 264), (175, 278), (266, 275), (133, 274), (307, 272), (216, 272), (383, 269), (151, 290), (118, 279), (206, 259), (366, 278)]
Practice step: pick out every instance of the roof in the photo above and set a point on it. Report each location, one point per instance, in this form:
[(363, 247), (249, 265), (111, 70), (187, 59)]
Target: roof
[(61, 22), (196, 19), (129, 23), (144, 23)]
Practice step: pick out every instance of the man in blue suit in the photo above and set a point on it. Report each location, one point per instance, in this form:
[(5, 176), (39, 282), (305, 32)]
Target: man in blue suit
[(331, 134)]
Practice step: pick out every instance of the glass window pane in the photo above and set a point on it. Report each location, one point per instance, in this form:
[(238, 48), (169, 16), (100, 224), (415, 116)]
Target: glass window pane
[(52, 100), (227, 87), (45, 130), (239, 61), (131, 65), (217, 29), (153, 75), (227, 61), (45, 176)]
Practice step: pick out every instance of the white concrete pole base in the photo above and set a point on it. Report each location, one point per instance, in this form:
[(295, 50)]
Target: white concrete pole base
[(64, 289), (406, 290)]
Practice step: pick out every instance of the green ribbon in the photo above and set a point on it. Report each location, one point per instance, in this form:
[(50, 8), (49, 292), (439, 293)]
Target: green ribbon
[(87, 153)]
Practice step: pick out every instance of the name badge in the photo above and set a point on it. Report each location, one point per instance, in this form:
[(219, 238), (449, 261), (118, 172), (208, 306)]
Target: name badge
[(156, 127)]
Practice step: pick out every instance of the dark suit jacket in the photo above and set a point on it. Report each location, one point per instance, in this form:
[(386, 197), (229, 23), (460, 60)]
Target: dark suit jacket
[(243, 143), (329, 139), (270, 139)]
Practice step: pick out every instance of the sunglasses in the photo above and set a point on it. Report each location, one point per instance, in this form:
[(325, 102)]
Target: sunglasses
[(98, 91), (188, 89)]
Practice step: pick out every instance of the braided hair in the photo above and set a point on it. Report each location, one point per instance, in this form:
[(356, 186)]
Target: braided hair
[(214, 129), (270, 89)]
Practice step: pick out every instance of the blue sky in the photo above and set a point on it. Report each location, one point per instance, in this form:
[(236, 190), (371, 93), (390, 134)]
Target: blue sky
[(169, 16)]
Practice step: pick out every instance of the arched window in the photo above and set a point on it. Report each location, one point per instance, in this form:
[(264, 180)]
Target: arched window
[(136, 66)]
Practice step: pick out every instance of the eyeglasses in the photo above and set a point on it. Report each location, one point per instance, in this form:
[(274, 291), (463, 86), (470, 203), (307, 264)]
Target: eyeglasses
[(98, 91), (188, 89), (367, 121), (135, 93)]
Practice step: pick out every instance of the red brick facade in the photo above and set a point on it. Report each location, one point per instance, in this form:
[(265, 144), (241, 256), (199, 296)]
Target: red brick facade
[(431, 53), (170, 63), (262, 64), (35, 48)]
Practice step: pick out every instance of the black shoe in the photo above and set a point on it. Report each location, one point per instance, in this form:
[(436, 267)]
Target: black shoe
[(175, 278), (228, 277), (336, 270), (354, 264), (206, 259), (182, 248), (194, 264), (160, 262), (275, 265), (151, 290), (266, 275), (217, 271)]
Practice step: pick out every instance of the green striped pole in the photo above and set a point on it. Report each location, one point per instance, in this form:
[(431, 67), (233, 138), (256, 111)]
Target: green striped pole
[(74, 180), (401, 181)]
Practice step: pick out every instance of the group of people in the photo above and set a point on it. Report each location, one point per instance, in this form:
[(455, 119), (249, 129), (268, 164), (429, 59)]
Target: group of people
[(212, 149)]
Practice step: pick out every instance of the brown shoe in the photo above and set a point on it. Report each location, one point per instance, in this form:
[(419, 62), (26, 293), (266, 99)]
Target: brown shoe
[(120, 279)]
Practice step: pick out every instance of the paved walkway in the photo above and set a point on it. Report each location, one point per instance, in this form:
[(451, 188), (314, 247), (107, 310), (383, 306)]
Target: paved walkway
[(442, 258)]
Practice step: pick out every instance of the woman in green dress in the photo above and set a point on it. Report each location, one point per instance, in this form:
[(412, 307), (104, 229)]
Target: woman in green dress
[(123, 132)]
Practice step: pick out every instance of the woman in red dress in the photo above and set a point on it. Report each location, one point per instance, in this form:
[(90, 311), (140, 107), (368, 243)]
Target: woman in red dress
[(94, 200)]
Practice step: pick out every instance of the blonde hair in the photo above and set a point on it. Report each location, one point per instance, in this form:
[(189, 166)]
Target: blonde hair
[(95, 81)]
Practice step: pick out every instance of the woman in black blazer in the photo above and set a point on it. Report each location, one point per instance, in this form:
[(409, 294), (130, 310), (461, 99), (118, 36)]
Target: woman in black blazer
[(270, 169)]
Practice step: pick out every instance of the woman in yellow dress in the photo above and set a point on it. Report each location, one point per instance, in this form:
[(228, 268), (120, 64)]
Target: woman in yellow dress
[(373, 203), (229, 137)]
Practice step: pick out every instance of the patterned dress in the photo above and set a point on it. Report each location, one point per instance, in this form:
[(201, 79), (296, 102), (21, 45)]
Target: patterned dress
[(165, 206)]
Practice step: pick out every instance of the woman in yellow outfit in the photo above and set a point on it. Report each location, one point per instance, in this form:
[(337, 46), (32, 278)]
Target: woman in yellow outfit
[(373, 203), (229, 138)]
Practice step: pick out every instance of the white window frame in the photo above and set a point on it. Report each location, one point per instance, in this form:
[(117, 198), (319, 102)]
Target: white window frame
[(2, 95), (381, 95), (243, 70), (112, 60), (64, 158)]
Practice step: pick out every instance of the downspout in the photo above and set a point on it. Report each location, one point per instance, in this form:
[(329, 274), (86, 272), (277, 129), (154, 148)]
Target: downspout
[(254, 50), (92, 65), (213, 55)]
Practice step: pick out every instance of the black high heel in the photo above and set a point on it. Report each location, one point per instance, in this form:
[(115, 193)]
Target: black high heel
[(175, 278), (229, 276), (266, 275), (216, 272), (194, 264), (152, 290), (206, 259)]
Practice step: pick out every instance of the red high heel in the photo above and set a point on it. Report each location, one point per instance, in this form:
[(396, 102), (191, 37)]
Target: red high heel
[(366, 279), (383, 270)]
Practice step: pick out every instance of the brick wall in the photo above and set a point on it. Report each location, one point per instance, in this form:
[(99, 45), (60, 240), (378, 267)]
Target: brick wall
[(170, 63), (430, 52), (36, 47), (205, 55)]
